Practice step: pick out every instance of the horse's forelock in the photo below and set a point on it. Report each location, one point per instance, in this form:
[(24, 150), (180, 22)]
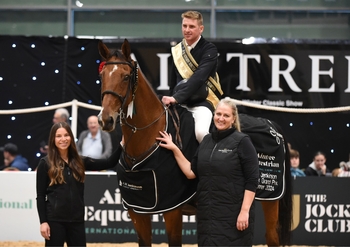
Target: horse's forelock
[(119, 54)]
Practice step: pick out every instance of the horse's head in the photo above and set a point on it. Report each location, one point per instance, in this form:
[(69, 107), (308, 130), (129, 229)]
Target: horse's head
[(119, 81)]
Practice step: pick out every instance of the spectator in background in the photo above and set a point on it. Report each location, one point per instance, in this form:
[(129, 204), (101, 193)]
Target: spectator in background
[(318, 166), (336, 171), (60, 115), (294, 164), (1, 158), (343, 170), (94, 142), (12, 159)]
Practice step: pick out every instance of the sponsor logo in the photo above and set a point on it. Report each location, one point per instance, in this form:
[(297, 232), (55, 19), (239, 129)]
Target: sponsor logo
[(321, 215), (109, 209), (324, 216), (225, 151), (16, 204)]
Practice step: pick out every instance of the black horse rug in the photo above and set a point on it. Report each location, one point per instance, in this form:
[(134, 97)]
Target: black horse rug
[(157, 184), (270, 147)]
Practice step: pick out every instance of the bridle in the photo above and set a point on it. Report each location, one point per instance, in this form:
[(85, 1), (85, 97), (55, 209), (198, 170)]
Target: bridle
[(132, 84), (132, 87)]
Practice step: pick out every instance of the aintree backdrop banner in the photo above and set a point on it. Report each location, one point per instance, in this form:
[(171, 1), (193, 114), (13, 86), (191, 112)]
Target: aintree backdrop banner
[(35, 71), (286, 73)]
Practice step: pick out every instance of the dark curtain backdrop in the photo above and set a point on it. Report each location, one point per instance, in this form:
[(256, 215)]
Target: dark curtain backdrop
[(35, 71), (71, 72)]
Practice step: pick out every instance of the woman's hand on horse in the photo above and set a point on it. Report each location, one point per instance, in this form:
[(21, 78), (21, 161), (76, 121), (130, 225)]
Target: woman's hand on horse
[(166, 141), (168, 100)]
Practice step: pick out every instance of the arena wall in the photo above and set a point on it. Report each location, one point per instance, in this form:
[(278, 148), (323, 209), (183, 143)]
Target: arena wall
[(321, 212)]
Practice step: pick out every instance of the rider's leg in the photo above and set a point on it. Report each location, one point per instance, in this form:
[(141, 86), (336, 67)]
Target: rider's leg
[(203, 117)]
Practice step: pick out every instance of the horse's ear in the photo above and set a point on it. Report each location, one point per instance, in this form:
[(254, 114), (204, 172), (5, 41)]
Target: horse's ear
[(103, 50), (126, 49)]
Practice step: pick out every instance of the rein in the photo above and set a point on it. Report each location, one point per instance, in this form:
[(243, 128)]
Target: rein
[(133, 127), (147, 153), (143, 156)]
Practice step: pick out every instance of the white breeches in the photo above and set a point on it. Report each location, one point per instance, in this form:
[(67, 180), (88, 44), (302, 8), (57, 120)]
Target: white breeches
[(202, 120)]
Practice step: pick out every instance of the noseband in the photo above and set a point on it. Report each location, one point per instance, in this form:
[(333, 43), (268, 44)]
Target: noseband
[(132, 83)]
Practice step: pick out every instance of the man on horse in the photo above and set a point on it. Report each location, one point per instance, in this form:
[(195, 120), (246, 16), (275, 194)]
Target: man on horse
[(197, 85)]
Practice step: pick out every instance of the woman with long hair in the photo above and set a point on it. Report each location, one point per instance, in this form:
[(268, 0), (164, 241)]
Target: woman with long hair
[(60, 188)]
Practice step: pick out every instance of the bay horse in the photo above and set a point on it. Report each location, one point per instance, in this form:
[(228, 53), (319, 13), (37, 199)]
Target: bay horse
[(149, 178), (128, 97)]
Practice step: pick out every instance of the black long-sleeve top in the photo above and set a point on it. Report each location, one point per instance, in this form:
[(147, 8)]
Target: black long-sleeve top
[(65, 202)]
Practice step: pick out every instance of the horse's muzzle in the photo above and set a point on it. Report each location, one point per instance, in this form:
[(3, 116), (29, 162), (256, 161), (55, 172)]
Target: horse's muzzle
[(107, 123)]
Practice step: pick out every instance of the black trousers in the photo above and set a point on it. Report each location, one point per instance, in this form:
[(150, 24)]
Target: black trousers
[(73, 233)]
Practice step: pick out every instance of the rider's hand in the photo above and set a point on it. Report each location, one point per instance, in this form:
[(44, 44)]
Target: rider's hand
[(167, 100)]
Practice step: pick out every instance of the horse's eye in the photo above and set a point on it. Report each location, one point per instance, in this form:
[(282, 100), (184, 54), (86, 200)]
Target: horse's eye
[(127, 78)]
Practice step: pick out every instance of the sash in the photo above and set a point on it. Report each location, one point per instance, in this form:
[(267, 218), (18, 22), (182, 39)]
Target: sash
[(186, 65)]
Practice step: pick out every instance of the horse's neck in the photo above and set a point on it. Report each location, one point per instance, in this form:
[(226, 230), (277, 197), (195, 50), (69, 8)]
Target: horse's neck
[(148, 119), (146, 104)]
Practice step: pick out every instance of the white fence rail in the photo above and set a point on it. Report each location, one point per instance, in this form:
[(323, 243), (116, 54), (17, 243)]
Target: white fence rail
[(75, 104)]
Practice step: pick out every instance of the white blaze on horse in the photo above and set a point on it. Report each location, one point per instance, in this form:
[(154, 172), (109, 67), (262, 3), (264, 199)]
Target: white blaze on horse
[(148, 176)]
